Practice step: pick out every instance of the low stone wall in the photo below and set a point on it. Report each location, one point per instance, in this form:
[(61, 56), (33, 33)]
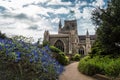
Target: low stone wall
[(101, 77)]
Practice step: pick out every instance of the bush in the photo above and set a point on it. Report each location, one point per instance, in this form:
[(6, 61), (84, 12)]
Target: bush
[(76, 57), (45, 43), (88, 66), (59, 55), (100, 65), (62, 59), (54, 49), (86, 58), (113, 68), (23, 61)]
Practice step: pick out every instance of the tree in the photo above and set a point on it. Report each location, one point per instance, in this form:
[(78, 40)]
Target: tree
[(45, 43), (2, 35), (108, 32), (22, 38)]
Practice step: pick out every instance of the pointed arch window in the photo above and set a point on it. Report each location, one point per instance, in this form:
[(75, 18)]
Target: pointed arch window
[(81, 51), (59, 44)]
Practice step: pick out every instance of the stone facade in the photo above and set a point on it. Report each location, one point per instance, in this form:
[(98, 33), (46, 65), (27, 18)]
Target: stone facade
[(68, 39)]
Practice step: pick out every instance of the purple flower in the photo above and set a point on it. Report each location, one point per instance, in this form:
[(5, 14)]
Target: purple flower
[(18, 54), (31, 60)]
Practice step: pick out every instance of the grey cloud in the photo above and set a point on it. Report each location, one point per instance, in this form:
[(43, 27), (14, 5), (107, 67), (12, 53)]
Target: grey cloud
[(21, 16), (26, 5), (17, 16), (7, 23), (2, 9), (64, 0), (6, 27), (34, 27)]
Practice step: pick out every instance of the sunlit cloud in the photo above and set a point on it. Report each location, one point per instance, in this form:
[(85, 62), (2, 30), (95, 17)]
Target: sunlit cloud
[(31, 18)]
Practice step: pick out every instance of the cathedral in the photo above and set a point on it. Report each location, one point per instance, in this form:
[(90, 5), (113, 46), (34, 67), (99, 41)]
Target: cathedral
[(68, 40)]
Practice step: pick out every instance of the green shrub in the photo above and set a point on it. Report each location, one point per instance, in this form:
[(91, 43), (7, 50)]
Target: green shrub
[(59, 55), (45, 43), (100, 65), (86, 58), (76, 57), (88, 66), (62, 59), (113, 68), (54, 49)]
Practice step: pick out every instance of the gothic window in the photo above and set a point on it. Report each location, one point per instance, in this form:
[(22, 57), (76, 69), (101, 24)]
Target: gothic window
[(67, 27), (72, 25), (81, 51), (59, 44)]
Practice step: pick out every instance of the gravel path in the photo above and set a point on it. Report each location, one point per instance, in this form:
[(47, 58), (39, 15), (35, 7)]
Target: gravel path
[(71, 73)]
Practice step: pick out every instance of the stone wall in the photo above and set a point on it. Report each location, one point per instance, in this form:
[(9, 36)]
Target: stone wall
[(65, 40)]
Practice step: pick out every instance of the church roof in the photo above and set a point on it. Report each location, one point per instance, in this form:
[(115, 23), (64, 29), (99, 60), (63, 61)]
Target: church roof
[(83, 37), (59, 35), (92, 37)]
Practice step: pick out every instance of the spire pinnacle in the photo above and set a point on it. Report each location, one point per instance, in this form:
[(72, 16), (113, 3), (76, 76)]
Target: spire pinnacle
[(60, 24), (87, 33)]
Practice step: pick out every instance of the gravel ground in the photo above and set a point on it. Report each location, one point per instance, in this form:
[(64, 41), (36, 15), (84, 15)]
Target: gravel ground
[(71, 73)]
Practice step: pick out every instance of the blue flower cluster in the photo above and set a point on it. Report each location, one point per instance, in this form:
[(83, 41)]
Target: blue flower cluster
[(15, 50)]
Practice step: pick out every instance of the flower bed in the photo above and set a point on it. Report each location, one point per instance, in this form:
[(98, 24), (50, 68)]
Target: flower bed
[(25, 61)]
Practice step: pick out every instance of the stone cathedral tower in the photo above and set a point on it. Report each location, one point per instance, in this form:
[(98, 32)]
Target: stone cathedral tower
[(68, 39)]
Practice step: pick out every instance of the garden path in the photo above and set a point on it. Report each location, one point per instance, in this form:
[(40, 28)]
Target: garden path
[(71, 73)]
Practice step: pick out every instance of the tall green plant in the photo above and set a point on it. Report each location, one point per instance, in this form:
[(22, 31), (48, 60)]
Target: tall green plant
[(108, 31)]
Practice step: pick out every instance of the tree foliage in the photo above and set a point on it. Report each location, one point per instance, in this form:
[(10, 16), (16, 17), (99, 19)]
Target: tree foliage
[(45, 43), (108, 32), (22, 38), (2, 35)]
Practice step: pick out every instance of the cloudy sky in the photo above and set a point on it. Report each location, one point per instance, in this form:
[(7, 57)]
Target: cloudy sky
[(32, 17)]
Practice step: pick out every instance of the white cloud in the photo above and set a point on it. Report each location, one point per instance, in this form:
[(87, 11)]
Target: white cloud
[(31, 10), (81, 3), (26, 33), (61, 10), (76, 13), (99, 3), (4, 22), (17, 4), (55, 20), (84, 25), (13, 26), (58, 2), (87, 12)]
